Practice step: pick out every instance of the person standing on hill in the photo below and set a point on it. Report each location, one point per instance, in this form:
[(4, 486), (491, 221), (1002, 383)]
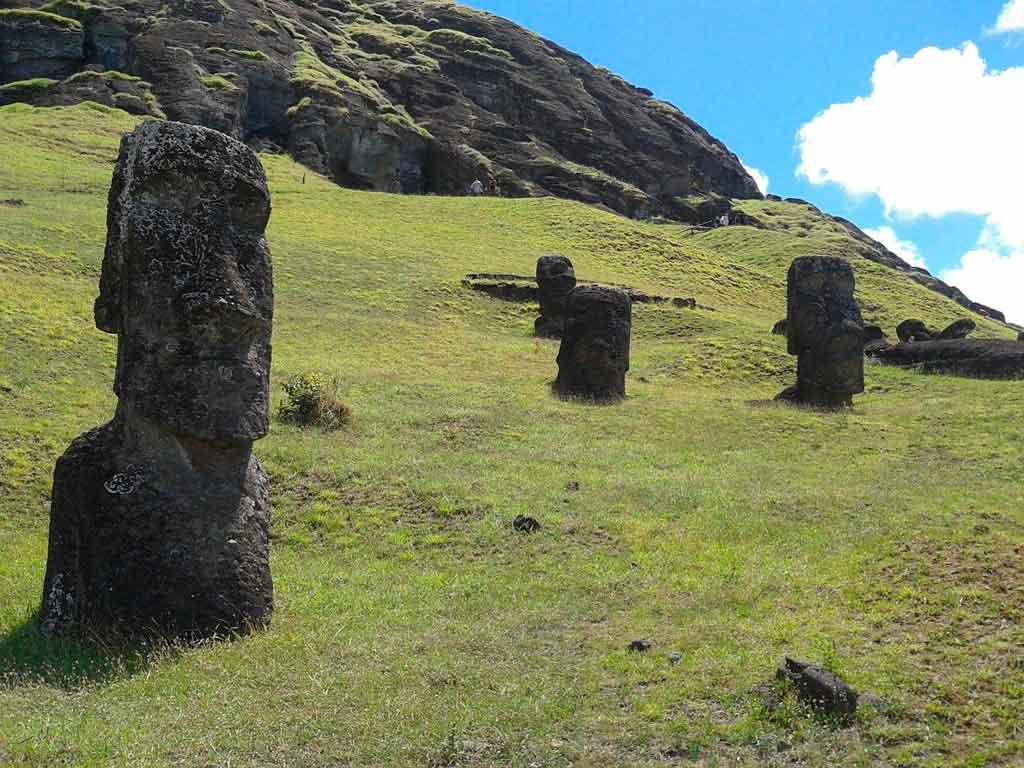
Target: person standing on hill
[(476, 189)]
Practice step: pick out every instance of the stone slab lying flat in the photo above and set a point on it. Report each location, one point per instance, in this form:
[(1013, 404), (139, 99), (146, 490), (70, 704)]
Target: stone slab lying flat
[(978, 358), (524, 288)]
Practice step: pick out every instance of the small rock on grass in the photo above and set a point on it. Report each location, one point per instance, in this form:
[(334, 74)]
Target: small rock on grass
[(639, 646), (525, 524), (819, 688)]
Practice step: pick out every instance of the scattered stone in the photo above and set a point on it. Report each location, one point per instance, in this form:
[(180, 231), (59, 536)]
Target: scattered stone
[(825, 332), (779, 329), (13, 202), (914, 330), (572, 485), (819, 688), (594, 356), (675, 658), (556, 279), (160, 519), (961, 329), (976, 358), (873, 333), (525, 524), (639, 646)]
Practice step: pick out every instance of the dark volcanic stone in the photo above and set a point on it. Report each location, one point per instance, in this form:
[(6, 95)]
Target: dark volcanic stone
[(639, 646), (556, 279), (39, 45), (160, 519), (914, 330), (873, 333), (961, 329), (779, 329), (819, 688), (825, 332), (525, 524), (979, 358), (594, 356), (1020, 336)]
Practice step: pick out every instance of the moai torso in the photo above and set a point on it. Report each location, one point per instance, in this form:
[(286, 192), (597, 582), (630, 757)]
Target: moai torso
[(594, 356)]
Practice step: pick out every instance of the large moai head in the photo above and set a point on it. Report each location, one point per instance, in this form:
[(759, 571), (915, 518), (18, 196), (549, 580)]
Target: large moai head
[(594, 356), (825, 331), (186, 282), (556, 279)]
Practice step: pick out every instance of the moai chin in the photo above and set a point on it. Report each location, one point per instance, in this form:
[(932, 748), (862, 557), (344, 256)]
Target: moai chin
[(160, 519), (594, 356), (825, 332), (556, 279)]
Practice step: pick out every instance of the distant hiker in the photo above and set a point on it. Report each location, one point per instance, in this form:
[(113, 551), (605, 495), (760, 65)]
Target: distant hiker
[(723, 220), (476, 189)]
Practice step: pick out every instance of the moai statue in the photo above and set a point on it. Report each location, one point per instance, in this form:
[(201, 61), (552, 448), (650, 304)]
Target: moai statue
[(556, 279), (160, 519), (594, 356), (825, 332)]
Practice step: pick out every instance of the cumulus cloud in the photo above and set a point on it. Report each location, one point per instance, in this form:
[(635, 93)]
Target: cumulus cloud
[(938, 134), (992, 278), (905, 249), (759, 177), (1011, 19)]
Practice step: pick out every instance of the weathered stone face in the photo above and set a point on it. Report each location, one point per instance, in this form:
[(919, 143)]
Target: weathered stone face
[(186, 282), (556, 279), (594, 356), (825, 332), (160, 519)]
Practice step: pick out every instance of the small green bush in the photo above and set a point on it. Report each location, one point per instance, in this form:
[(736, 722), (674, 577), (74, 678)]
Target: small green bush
[(311, 400), (40, 17), (255, 55), (36, 84)]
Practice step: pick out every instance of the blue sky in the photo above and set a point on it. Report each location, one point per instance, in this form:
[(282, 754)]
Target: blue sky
[(755, 72)]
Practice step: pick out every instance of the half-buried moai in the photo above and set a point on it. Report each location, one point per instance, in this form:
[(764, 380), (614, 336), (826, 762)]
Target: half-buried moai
[(825, 332), (159, 520), (556, 279), (594, 355)]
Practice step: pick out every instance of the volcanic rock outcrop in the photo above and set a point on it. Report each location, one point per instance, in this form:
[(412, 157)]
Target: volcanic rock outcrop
[(396, 95), (594, 356), (825, 332), (160, 519), (556, 279)]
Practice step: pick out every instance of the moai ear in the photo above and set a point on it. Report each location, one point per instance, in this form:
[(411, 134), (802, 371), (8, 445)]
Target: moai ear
[(107, 309)]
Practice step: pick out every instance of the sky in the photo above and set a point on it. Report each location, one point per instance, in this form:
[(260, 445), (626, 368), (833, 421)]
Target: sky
[(904, 116)]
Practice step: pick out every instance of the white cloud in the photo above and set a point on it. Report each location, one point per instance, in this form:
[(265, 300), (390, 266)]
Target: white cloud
[(759, 177), (905, 249), (939, 133), (1011, 19), (993, 279)]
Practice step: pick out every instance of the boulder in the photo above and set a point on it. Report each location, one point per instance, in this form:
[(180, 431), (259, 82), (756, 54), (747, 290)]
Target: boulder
[(914, 330), (825, 332), (873, 333), (159, 520), (556, 279), (594, 356), (978, 358), (819, 688), (779, 329), (961, 329)]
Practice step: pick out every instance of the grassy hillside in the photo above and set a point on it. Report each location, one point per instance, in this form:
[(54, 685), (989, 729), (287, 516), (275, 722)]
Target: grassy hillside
[(413, 626)]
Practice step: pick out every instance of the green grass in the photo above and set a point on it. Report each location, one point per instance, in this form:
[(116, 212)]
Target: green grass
[(413, 627), (38, 17)]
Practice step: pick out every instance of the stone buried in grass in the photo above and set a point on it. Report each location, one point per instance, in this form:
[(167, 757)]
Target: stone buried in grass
[(825, 332), (556, 279), (594, 356), (819, 688), (160, 519)]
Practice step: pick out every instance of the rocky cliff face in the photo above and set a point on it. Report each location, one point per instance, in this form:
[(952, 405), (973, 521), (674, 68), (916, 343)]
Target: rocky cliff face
[(398, 95)]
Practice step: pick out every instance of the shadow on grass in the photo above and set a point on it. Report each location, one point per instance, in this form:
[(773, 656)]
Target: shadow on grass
[(28, 656)]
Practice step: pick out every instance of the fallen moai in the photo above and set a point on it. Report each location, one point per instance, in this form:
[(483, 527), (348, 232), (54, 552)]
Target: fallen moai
[(825, 332), (510, 287), (594, 356), (914, 330), (978, 358), (556, 279), (159, 520)]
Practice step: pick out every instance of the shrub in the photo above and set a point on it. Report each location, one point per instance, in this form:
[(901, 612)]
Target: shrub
[(311, 400)]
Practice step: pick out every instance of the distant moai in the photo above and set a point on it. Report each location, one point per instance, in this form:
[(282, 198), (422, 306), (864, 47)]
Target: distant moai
[(556, 279), (159, 520), (594, 356), (825, 332)]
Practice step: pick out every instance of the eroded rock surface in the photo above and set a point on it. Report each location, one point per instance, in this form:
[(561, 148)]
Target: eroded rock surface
[(960, 329), (39, 45), (160, 519), (556, 279), (914, 330), (978, 358), (594, 356), (825, 332)]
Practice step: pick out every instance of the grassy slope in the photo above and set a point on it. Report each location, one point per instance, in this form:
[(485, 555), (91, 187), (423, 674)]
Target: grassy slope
[(413, 627)]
